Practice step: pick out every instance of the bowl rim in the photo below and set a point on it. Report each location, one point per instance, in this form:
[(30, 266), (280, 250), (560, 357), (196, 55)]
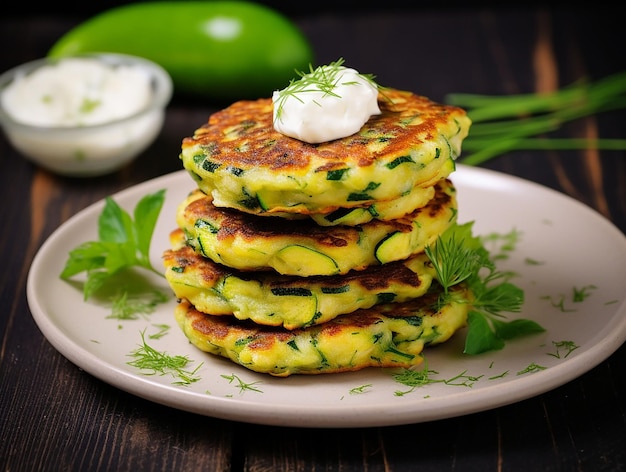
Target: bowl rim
[(161, 82)]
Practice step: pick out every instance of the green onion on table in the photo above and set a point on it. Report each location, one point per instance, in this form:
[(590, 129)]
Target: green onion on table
[(519, 122)]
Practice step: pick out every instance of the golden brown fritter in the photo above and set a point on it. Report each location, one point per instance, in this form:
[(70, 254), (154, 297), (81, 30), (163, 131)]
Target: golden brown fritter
[(388, 335), (386, 210), (303, 248), (239, 159), (272, 299)]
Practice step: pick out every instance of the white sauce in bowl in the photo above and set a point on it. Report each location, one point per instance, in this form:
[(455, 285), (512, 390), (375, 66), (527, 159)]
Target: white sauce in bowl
[(85, 115), (77, 92)]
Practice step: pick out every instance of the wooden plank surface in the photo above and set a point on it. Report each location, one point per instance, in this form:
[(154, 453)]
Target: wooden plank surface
[(54, 416)]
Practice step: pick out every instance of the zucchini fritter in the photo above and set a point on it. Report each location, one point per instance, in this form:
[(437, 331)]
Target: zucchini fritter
[(387, 335), (243, 163), (303, 248), (292, 302), (386, 210)]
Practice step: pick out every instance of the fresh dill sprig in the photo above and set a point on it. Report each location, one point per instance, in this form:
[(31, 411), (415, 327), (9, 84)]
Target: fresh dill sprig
[(154, 362), (416, 378), (531, 368), (453, 261), (581, 294), (323, 79), (163, 330), (501, 245), (130, 306), (360, 389), (460, 257), (567, 346), (243, 386), (413, 378)]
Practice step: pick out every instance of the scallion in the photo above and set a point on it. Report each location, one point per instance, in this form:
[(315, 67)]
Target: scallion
[(503, 124)]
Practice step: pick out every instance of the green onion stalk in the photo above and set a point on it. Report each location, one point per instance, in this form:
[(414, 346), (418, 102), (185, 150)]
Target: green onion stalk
[(502, 124)]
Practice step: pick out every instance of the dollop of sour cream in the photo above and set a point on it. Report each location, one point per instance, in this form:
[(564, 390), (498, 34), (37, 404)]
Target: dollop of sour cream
[(77, 92), (331, 102)]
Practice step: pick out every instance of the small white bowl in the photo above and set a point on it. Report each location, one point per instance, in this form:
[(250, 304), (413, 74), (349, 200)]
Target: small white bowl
[(89, 150)]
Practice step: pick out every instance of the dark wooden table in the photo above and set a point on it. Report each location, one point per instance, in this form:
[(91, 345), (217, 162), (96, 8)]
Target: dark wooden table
[(54, 416)]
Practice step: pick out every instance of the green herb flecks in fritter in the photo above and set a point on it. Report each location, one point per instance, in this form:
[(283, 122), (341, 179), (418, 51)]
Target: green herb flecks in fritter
[(272, 299), (303, 248), (387, 335)]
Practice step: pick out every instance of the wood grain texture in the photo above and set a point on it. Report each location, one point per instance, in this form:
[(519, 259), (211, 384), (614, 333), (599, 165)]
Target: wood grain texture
[(54, 417)]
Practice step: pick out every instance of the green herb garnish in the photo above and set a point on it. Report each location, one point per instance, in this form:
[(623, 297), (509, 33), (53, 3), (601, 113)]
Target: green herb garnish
[(567, 346), (581, 294), (502, 124), (129, 306), (154, 362), (532, 367), (560, 303), (360, 389), (500, 376), (243, 386), (163, 330), (123, 243), (415, 378), (323, 79), (88, 105), (458, 256)]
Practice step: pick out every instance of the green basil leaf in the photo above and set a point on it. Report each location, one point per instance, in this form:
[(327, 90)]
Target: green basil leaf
[(516, 328), (480, 337), (85, 257), (146, 215), (114, 224)]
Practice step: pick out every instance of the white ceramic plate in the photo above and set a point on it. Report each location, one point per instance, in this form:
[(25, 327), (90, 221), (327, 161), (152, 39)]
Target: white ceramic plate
[(564, 248)]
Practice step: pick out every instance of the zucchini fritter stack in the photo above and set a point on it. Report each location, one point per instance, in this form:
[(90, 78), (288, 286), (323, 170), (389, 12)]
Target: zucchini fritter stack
[(292, 257)]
